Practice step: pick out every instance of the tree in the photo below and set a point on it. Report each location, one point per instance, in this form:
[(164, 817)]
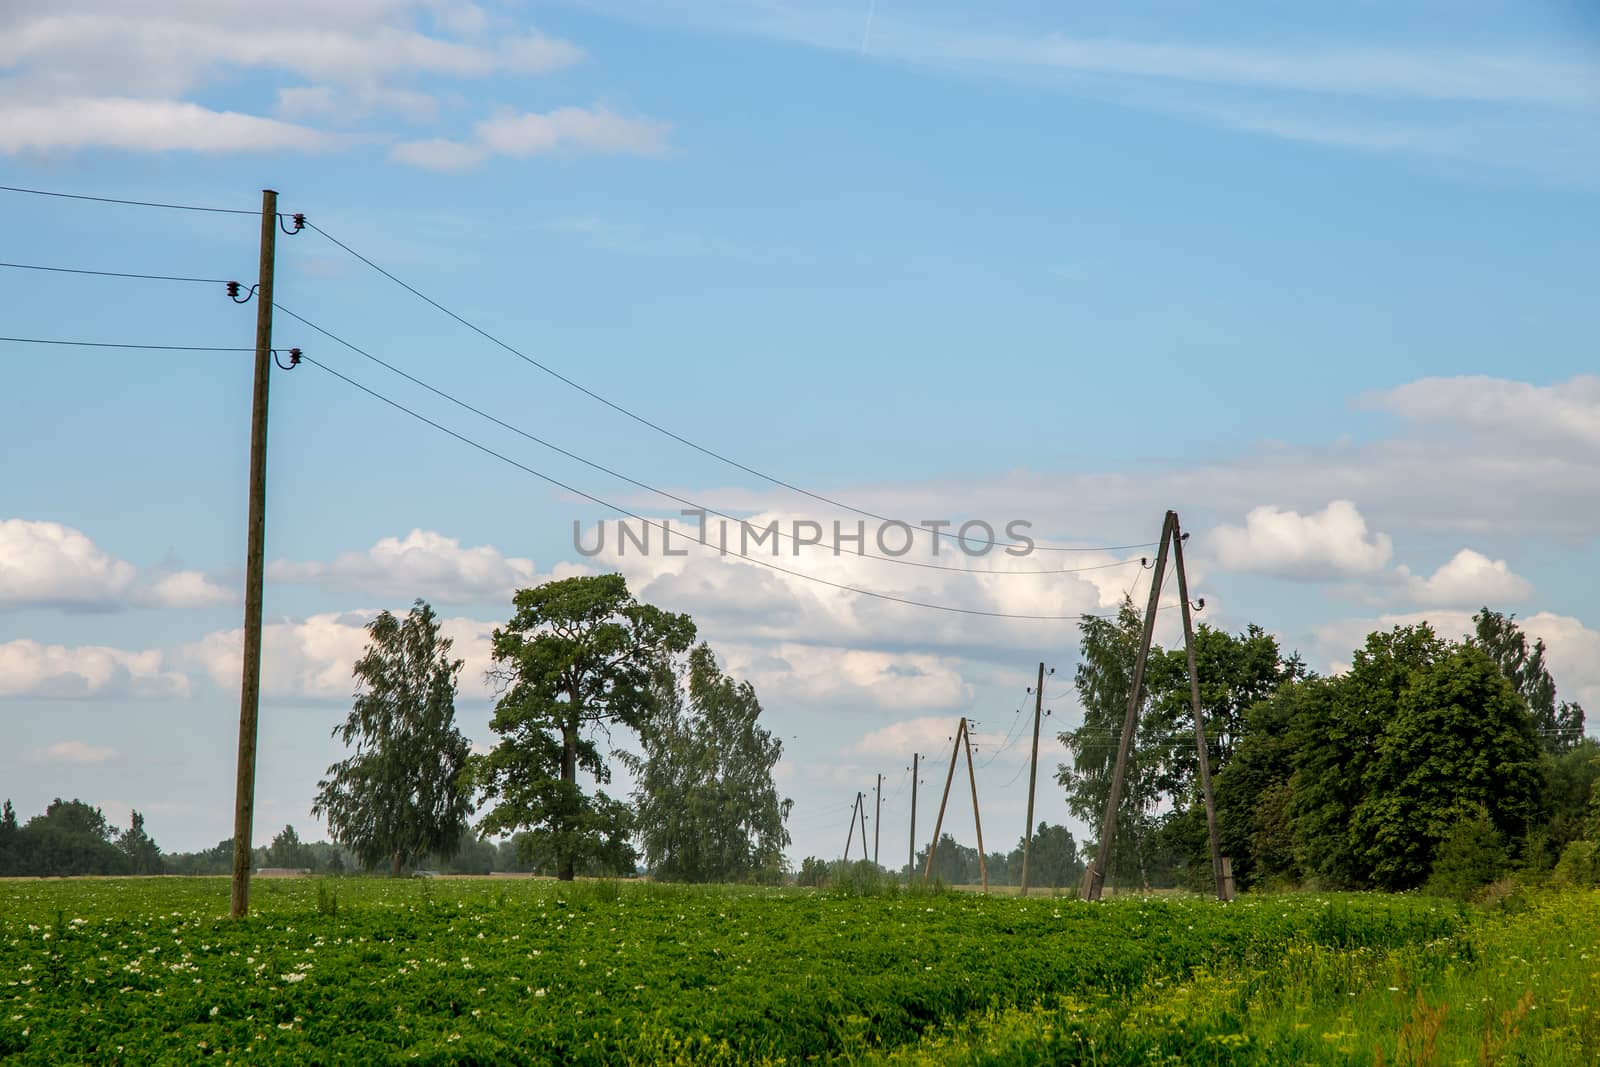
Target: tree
[(1469, 858), (707, 807), (8, 840), (143, 855), (70, 838), (953, 863), (1560, 725), (1333, 736), (1053, 862), (1460, 740), (287, 850), (400, 795), (813, 872), (1109, 649), (578, 655)]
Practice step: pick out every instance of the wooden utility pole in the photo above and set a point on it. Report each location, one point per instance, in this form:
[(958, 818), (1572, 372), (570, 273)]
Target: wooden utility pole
[(877, 819), (255, 552), (851, 836), (972, 777), (1033, 775), (949, 777), (911, 865), (1094, 877), (861, 803), (1222, 879)]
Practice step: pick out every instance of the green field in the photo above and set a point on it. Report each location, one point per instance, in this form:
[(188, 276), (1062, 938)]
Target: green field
[(489, 971)]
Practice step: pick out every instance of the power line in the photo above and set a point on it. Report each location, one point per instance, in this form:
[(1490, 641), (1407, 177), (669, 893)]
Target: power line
[(112, 344), (632, 515), (651, 488), (132, 203), (116, 274), (643, 421)]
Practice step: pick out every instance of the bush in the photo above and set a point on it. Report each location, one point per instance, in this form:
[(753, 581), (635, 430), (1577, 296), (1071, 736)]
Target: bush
[(813, 872), (1470, 858), (1579, 864)]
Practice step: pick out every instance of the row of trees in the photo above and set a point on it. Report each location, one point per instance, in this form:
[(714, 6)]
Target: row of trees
[(579, 660), (1053, 863), (1424, 752)]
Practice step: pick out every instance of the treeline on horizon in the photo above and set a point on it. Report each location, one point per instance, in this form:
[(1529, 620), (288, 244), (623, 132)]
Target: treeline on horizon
[(1428, 763)]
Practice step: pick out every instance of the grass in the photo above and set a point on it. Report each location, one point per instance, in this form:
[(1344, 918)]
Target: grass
[(379, 971)]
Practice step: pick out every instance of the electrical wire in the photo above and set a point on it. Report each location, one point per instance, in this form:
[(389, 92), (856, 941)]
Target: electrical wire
[(647, 522), (133, 203), (116, 274), (111, 344), (690, 504), (657, 427)]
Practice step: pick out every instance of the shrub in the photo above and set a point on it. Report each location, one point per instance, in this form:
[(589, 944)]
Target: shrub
[(1579, 864), (1471, 857)]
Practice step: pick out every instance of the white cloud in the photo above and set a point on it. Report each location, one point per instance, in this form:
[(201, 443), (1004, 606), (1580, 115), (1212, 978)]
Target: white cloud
[(72, 752), (146, 126), (312, 658), (186, 589), (30, 669), (1569, 410), (103, 73), (1462, 102), (596, 131), (788, 673), (1468, 579), (1324, 544), (46, 563), (421, 564)]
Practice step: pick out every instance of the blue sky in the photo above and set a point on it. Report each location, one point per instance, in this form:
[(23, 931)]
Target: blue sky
[(1320, 281)]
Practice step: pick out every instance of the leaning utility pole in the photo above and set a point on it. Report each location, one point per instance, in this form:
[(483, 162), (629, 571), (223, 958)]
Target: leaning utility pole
[(851, 837), (972, 777), (911, 866), (1223, 879), (1033, 775), (861, 803), (250, 685), (1095, 875), (877, 818), (962, 738)]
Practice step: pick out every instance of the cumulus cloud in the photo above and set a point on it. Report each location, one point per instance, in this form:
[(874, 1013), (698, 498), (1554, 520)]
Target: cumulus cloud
[(312, 658), (422, 564), (1468, 579), (185, 589), (1320, 545), (574, 130), (787, 673), (31, 669), (48, 564), (101, 73), (146, 126), (1568, 410), (72, 752)]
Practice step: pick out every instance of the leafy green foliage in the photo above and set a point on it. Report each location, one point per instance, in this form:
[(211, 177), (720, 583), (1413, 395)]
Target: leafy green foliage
[(1470, 857), (707, 808), (578, 655), (474, 972), (1560, 725), (399, 795)]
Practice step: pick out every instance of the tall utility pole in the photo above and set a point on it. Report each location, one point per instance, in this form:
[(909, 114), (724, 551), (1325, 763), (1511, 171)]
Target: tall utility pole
[(877, 818), (851, 837), (255, 551), (1094, 877), (1224, 888), (1033, 775), (911, 866)]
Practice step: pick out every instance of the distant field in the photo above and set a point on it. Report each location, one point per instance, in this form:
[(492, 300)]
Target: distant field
[(493, 971)]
